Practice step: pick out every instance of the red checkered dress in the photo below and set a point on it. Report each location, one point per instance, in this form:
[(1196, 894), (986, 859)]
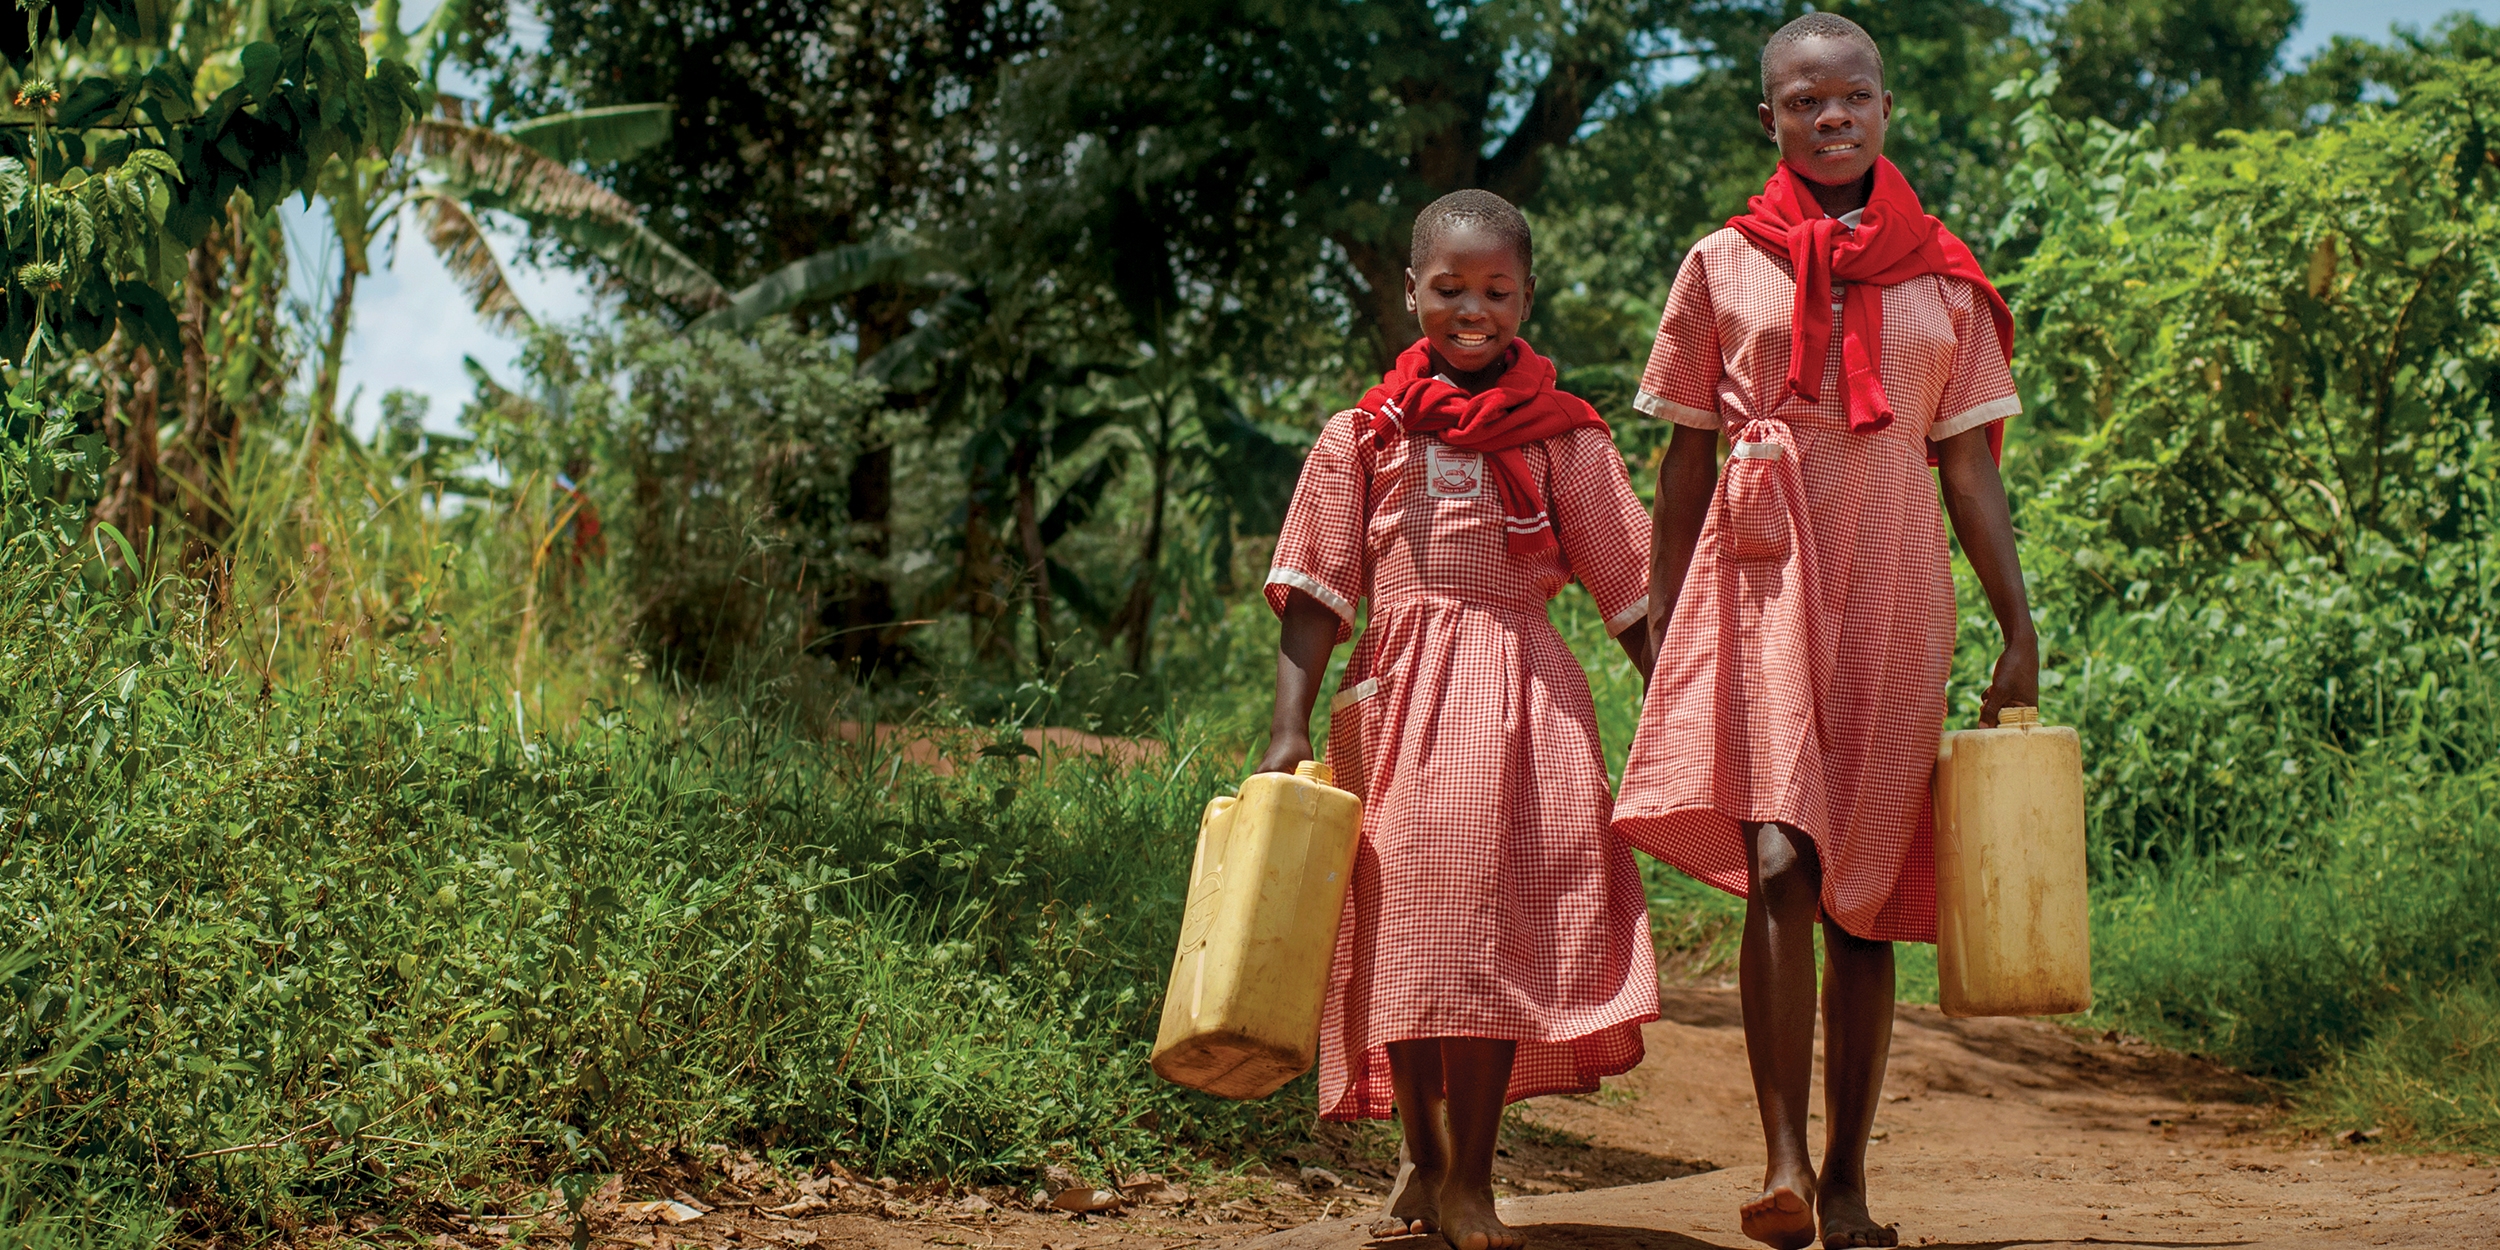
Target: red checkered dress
[(1802, 679), (1489, 897)]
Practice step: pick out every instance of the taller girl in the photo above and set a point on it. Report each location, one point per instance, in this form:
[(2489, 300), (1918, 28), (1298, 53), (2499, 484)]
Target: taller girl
[(1496, 940), (1804, 600)]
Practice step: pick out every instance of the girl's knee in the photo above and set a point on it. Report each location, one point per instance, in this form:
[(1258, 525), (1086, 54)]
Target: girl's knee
[(1783, 864)]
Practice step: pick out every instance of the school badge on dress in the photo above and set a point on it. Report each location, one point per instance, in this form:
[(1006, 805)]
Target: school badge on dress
[(1453, 474)]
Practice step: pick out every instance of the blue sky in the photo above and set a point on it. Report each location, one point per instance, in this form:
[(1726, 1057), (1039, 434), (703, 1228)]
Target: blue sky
[(413, 326)]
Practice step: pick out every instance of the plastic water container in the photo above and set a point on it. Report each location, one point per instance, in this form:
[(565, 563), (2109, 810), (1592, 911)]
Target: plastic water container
[(2013, 926), (1241, 1017)]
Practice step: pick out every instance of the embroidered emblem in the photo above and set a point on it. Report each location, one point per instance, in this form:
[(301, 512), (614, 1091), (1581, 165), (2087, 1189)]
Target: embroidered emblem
[(1454, 474)]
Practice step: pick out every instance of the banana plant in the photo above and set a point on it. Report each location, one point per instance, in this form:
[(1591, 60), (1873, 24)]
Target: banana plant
[(450, 170)]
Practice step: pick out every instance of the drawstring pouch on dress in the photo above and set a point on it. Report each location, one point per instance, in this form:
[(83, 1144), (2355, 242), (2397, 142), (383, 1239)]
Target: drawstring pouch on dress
[(1895, 240), (1521, 408)]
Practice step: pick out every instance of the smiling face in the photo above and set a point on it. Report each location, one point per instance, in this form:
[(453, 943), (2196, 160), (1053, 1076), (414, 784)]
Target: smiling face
[(1470, 294), (1828, 108)]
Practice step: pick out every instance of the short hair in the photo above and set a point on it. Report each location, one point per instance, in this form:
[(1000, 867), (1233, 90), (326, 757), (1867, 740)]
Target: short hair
[(1480, 209), (1818, 26)]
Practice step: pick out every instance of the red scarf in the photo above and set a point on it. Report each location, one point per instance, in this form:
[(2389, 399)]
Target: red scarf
[(1895, 241), (1522, 408)]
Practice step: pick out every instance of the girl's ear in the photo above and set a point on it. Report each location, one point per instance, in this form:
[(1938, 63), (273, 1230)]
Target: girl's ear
[(1410, 290), (1527, 298)]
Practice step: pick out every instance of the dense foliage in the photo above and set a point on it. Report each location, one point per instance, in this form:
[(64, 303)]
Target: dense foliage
[(291, 950), (109, 180)]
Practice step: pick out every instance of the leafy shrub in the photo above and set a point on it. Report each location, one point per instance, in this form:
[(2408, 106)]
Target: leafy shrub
[(2224, 721), (2276, 968), (356, 947), (721, 467), (2276, 348)]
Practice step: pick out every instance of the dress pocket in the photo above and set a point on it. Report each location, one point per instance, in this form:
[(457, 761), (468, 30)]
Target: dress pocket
[(1346, 716), (1753, 515)]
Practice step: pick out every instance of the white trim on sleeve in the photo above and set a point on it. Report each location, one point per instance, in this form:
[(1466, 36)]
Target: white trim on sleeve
[(1660, 406), (1623, 620), (1970, 419), (1315, 588)]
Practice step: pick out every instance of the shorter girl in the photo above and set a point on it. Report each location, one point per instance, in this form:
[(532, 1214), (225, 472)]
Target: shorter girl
[(1496, 942)]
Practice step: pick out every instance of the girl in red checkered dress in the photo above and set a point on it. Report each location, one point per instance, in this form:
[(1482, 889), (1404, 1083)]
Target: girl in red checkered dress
[(1804, 600), (1496, 943)]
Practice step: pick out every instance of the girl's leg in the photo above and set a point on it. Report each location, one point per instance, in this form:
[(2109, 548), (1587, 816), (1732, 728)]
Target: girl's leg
[(1478, 1071), (1417, 1081), (1784, 881), (1857, 1042)]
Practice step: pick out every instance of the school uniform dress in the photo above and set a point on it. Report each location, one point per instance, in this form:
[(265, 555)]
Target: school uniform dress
[(1490, 899), (1802, 679)]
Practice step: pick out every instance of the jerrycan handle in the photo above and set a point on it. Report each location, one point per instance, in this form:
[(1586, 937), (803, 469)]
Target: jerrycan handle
[(2018, 718), (1316, 771)]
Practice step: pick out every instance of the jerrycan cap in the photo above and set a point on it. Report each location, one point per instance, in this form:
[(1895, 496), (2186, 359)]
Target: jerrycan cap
[(1316, 771), (2018, 718)]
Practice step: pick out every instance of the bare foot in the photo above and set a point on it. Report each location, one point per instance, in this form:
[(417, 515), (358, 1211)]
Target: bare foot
[(1780, 1218), (1846, 1222), (1468, 1221), (1410, 1209)]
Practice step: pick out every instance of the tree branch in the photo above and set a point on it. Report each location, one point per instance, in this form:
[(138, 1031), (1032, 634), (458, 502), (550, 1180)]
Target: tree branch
[(1561, 103)]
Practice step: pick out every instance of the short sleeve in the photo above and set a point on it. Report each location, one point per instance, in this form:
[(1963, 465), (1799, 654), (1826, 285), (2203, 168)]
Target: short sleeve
[(1981, 387), (1603, 529), (1681, 383), (1321, 550)]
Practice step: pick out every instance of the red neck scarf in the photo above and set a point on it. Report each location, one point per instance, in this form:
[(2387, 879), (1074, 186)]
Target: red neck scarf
[(1522, 408), (1895, 241)]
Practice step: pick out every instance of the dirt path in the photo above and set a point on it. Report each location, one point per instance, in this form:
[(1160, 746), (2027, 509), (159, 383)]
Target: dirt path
[(1994, 1133)]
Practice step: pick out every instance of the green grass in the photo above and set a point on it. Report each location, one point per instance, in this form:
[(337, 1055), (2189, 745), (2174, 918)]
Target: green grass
[(2278, 968), (369, 947), (339, 938), (2428, 1076)]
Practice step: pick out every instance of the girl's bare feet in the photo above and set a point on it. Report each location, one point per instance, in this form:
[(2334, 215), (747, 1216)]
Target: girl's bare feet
[(1782, 1217), (1846, 1222), (1468, 1221), (1410, 1210)]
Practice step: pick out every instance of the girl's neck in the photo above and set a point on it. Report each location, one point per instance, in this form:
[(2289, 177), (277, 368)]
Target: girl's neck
[(1475, 383), (1848, 197)]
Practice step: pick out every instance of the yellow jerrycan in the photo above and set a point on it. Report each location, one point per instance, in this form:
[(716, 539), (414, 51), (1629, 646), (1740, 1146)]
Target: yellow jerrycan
[(2013, 926), (1241, 1017)]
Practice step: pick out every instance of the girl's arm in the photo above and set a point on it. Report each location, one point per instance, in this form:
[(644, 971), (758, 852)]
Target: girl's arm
[(1309, 634), (1687, 476), (1974, 496), (1635, 643)]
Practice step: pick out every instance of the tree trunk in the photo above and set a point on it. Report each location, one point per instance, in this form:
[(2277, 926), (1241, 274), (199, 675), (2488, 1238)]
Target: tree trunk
[(1036, 564), (977, 579), (130, 427), (324, 418), (861, 621), (1137, 615), (1379, 300), (196, 459)]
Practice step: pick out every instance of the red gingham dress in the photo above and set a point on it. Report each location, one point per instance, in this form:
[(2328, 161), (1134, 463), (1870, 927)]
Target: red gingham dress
[(1490, 899), (1802, 678)]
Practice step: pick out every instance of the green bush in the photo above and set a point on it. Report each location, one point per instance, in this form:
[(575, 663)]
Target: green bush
[(349, 947), (2275, 967)]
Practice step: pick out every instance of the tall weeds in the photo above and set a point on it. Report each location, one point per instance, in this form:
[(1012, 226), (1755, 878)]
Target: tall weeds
[(368, 927)]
